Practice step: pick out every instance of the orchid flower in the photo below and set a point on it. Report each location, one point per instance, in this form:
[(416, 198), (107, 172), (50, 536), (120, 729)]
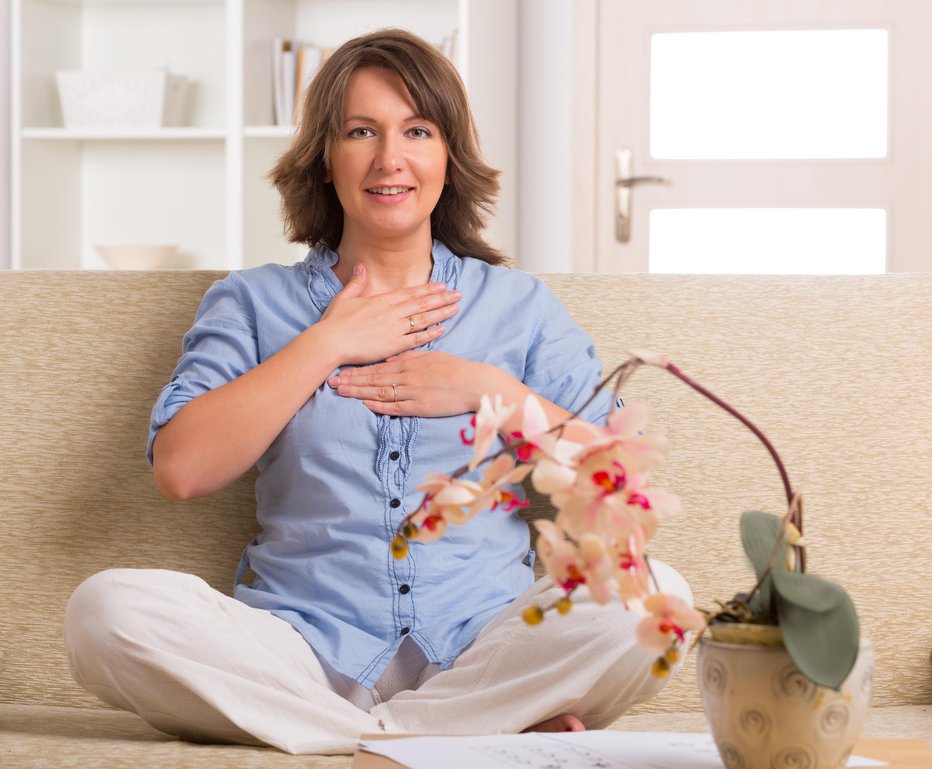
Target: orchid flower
[(500, 473), (487, 422), (670, 619), (550, 455), (597, 567), (449, 500), (558, 555), (624, 440), (570, 566), (608, 500)]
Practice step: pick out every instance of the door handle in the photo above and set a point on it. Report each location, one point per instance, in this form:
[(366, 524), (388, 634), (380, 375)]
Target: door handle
[(624, 182), (635, 180)]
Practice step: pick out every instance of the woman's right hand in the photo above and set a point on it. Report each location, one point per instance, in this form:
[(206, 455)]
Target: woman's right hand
[(366, 329), (220, 434)]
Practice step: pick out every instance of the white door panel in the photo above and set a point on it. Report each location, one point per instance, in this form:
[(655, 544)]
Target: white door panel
[(887, 172)]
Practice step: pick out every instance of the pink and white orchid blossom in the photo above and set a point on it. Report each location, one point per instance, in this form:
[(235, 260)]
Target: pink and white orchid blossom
[(500, 474), (550, 455), (448, 500), (569, 565), (487, 422), (669, 621), (559, 556), (624, 441)]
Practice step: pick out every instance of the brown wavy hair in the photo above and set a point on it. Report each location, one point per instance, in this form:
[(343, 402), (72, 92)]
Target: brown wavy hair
[(311, 211)]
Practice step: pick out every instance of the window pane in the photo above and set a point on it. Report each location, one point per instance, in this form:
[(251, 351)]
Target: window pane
[(787, 241), (779, 94)]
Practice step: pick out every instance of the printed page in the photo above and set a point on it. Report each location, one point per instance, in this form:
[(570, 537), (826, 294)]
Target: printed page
[(583, 750)]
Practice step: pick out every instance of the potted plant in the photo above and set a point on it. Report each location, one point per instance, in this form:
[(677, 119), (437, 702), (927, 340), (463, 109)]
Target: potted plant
[(784, 678)]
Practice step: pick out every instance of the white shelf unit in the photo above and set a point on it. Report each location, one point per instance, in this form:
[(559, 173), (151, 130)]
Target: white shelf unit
[(201, 186)]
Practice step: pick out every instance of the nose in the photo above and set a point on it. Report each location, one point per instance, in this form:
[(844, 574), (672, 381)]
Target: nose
[(389, 156)]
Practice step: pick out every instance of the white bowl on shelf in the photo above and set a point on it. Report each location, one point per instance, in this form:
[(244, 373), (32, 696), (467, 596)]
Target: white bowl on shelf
[(140, 256)]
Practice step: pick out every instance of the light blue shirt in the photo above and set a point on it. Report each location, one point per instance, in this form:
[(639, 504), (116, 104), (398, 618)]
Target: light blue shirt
[(335, 484)]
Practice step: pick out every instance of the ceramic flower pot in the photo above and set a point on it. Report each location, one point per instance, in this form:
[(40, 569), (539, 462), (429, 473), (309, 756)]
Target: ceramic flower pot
[(764, 714)]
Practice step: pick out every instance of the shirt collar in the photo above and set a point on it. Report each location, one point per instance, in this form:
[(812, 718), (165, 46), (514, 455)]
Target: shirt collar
[(323, 284)]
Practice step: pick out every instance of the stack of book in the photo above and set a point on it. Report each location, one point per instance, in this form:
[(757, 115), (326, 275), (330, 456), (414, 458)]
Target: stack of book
[(294, 65)]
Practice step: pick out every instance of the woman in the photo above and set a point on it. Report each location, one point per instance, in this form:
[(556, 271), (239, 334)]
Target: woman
[(347, 378)]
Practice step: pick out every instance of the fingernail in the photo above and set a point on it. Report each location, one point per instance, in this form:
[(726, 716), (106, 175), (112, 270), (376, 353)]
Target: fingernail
[(357, 268), (456, 295)]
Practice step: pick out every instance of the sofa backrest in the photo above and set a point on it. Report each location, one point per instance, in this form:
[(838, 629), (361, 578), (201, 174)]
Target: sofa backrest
[(836, 371)]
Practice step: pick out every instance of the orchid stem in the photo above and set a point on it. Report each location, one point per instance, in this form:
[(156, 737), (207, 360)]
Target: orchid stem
[(795, 511), (747, 423)]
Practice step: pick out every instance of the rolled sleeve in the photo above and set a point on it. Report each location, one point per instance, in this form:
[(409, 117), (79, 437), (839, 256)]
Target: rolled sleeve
[(219, 347), (562, 365)]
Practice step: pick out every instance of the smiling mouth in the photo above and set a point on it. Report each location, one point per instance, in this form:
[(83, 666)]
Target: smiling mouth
[(388, 190)]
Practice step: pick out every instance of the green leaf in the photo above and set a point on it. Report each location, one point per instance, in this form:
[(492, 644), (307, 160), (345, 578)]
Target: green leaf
[(759, 533), (819, 624)]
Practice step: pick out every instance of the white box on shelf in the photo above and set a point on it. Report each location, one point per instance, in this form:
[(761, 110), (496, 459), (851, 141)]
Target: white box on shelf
[(126, 99)]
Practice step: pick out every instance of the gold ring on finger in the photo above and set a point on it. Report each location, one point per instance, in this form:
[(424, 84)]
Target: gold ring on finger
[(411, 321), (394, 394)]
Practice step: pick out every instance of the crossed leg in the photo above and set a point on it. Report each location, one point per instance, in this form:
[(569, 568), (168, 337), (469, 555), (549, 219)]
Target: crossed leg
[(196, 663)]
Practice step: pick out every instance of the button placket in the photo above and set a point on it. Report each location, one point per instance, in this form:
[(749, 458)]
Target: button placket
[(397, 477)]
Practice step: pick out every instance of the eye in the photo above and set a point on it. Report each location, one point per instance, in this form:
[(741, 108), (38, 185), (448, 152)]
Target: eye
[(419, 133), (360, 132)]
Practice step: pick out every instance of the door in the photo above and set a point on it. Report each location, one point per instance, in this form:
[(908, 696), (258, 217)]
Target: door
[(767, 136)]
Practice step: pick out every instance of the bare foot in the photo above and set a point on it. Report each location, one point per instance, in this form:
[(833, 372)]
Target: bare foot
[(564, 723)]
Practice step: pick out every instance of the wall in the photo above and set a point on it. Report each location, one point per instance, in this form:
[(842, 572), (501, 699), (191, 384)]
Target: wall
[(556, 134), (5, 136), (545, 133), (490, 60)]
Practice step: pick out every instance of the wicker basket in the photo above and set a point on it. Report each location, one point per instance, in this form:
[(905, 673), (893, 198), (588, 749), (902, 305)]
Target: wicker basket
[(131, 99)]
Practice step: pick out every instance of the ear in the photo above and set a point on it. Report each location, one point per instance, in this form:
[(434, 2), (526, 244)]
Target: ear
[(328, 175)]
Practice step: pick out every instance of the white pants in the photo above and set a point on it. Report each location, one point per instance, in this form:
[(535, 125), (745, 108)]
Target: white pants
[(196, 663)]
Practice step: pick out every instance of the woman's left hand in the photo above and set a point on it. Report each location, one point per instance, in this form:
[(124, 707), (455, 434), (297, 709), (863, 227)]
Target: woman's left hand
[(419, 383)]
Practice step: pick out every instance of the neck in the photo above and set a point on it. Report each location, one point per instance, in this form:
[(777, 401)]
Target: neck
[(389, 264)]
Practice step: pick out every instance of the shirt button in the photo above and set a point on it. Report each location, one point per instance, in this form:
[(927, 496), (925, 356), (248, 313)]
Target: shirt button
[(394, 455), (405, 630), (404, 589), (395, 503)]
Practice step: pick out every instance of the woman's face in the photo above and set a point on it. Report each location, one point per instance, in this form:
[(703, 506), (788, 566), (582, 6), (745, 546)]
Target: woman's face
[(388, 164)]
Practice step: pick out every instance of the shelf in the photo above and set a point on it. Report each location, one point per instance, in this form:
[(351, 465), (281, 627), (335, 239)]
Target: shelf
[(268, 132), (142, 134)]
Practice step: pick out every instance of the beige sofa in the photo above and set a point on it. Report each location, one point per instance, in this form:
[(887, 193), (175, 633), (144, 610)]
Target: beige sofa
[(836, 370)]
